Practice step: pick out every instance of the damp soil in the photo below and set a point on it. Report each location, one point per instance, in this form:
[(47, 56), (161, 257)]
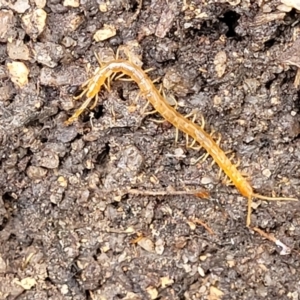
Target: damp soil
[(69, 226)]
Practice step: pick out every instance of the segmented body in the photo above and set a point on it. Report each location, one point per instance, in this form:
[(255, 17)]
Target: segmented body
[(185, 125)]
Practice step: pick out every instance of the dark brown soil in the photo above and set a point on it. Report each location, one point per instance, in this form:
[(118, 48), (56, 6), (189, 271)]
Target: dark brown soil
[(69, 229)]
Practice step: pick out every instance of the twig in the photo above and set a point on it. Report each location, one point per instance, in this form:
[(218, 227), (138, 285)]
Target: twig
[(285, 250)]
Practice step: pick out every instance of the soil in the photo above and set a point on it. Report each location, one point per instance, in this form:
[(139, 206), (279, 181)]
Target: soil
[(70, 228)]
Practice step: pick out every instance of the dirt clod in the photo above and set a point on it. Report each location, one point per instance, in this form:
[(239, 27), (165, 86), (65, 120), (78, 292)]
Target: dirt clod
[(83, 213)]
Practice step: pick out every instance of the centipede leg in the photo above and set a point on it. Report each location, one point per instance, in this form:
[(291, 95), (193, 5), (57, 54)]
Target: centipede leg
[(99, 60), (117, 53), (95, 102), (149, 70), (202, 121), (176, 135), (205, 157), (161, 91), (156, 79), (202, 158), (145, 107), (152, 112), (192, 113), (219, 139), (158, 121), (226, 181), (220, 173), (175, 101), (238, 163), (212, 132), (192, 144)]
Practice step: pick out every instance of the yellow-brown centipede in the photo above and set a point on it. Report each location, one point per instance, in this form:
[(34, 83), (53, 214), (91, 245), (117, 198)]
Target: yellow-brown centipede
[(149, 91)]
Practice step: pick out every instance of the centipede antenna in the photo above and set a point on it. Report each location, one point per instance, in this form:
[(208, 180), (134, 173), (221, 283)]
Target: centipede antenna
[(85, 83), (273, 198), (79, 111), (219, 139)]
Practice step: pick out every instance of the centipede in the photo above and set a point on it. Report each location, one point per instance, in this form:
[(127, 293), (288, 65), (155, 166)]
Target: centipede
[(92, 87)]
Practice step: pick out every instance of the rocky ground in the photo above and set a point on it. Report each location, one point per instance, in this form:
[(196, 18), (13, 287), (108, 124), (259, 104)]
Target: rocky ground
[(70, 228)]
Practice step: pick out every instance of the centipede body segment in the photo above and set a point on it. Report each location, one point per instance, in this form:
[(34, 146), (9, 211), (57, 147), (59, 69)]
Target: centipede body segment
[(196, 132)]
